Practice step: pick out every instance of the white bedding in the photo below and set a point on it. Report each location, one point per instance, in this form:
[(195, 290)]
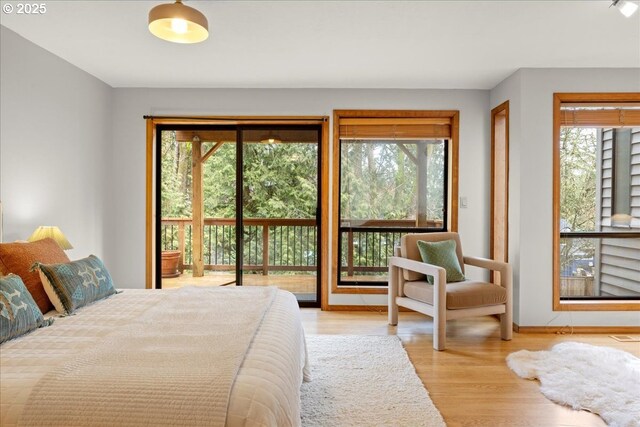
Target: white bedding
[(266, 391)]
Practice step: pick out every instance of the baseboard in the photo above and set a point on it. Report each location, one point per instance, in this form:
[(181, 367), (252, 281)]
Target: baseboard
[(576, 329), (376, 308)]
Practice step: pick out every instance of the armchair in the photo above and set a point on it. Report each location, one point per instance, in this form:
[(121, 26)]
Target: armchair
[(408, 287)]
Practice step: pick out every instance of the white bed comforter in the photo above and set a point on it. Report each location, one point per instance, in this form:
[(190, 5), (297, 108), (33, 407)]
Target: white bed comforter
[(265, 391)]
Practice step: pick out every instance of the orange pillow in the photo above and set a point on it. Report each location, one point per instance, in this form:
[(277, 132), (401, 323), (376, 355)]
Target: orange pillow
[(17, 258)]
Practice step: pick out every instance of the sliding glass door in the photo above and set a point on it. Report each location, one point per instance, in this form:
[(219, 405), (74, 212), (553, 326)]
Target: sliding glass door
[(278, 209), (239, 206)]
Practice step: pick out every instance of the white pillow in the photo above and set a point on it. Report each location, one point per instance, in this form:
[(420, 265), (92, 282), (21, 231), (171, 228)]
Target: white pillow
[(51, 293)]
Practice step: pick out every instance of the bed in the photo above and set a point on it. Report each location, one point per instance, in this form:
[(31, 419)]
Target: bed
[(48, 377)]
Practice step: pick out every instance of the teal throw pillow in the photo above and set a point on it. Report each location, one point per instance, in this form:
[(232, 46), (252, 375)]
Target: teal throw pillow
[(19, 313), (75, 284), (443, 254)]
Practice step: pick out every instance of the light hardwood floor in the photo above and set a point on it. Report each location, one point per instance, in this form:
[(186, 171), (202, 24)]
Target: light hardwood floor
[(470, 382)]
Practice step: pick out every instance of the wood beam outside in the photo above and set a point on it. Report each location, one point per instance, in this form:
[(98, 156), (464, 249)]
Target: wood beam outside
[(409, 154), (197, 208), (212, 150)]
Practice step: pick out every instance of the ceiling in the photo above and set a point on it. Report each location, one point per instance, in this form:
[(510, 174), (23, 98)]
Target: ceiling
[(336, 44)]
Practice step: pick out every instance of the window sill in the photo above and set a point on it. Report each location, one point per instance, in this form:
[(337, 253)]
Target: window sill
[(597, 305), (382, 290)]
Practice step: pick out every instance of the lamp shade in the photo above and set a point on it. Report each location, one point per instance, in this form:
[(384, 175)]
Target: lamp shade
[(621, 220), (627, 8), (45, 231), (178, 23), (270, 138)]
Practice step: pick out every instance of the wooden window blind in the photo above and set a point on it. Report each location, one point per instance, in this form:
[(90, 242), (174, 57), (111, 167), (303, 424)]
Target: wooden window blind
[(618, 117), (395, 127)]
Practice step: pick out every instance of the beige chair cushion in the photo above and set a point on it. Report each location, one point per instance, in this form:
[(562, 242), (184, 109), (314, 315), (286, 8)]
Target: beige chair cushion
[(409, 249), (465, 294)]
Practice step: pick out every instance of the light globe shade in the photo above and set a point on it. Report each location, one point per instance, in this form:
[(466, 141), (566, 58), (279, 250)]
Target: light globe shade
[(621, 220), (45, 231), (178, 23), (270, 138), (627, 8)]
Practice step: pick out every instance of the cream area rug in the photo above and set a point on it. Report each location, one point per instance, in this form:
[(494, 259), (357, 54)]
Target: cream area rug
[(364, 381), (602, 380)]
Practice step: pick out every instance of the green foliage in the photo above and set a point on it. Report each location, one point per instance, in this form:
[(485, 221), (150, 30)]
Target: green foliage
[(380, 181), (578, 178), (219, 182), (280, 180), (176, 177), (578, 169)]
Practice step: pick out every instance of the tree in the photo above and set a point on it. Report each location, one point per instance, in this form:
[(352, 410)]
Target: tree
[(280, 180), (578, 147)]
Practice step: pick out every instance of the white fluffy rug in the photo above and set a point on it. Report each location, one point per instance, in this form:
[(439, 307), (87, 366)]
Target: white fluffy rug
[(364, 381), (601, 380)]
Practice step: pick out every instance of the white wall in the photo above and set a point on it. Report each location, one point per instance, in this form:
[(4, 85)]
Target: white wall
[(126, 236), (55, 131), (72, 153), (530, 92)]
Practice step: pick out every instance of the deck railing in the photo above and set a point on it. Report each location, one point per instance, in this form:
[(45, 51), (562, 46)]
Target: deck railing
[(291, 244), (366, 251)]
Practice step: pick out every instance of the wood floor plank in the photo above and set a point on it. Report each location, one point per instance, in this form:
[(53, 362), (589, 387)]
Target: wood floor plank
[(470, 382)]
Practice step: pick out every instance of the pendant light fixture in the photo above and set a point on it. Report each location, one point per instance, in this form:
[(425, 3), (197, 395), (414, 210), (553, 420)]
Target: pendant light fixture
[(627, 8), (178, 23), (270, 138)]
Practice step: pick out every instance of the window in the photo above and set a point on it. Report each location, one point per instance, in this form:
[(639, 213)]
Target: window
[(597, 202), (393, 176)]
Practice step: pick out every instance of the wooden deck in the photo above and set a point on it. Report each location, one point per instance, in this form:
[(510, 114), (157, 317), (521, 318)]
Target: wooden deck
[(297, 284)]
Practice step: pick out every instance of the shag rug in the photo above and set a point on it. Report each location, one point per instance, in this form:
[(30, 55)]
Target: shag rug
[(364, 381), (602, 380)]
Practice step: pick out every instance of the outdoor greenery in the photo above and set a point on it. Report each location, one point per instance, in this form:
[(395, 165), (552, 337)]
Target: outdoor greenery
[(578, 178), (380, 181), (578, 147), (280, 180)]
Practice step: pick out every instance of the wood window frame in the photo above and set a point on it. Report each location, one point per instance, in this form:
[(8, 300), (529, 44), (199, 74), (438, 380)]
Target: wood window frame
[(584, 99), (500, 109), (153, 122), (452, 115)]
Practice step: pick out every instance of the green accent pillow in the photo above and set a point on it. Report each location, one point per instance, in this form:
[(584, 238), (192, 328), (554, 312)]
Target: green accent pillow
[(443, 254), (75, 284), (19, 313)]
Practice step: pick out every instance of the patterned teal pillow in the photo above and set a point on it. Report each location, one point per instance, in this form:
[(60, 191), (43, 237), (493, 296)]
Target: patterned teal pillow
[(75, 284), (443, 254), (19, 313)]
